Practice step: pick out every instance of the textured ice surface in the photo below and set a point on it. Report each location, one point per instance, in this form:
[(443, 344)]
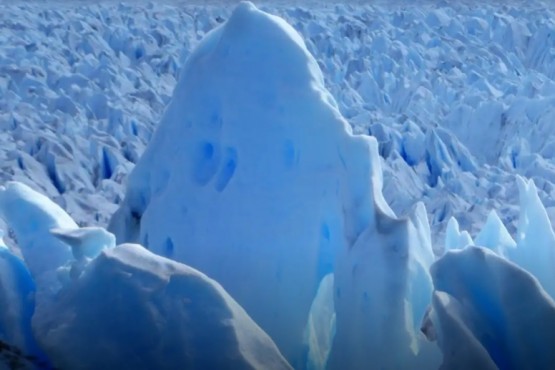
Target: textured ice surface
[(132, 309)]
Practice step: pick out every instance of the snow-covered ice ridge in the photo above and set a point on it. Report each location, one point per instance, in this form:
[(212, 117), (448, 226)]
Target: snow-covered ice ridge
[(459, 96)]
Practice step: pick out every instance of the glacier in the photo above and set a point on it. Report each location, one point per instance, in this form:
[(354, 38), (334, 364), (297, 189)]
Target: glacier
[(261, 175)]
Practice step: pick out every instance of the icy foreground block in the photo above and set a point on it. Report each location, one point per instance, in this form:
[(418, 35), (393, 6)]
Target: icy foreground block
[(17, 302), (382, 289), (488, 313), (31, 215), (132, 309), (253, 176)]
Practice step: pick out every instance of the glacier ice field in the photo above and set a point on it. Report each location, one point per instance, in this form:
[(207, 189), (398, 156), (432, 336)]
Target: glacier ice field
[(273, 186)]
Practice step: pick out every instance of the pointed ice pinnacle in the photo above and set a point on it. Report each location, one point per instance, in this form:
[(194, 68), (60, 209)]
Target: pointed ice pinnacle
[(382, 288), (454, 238), (320, 328)]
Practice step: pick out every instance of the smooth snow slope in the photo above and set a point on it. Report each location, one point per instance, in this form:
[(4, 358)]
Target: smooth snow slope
[(459, 96)]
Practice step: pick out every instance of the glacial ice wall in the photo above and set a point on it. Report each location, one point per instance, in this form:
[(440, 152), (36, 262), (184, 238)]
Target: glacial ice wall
[(253, 176)]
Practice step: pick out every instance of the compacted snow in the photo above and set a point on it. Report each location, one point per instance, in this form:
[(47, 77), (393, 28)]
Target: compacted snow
[(315, 167)]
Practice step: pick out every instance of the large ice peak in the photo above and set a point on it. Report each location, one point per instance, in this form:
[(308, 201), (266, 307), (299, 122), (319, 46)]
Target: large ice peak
[(253, 176), (281, 53)]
